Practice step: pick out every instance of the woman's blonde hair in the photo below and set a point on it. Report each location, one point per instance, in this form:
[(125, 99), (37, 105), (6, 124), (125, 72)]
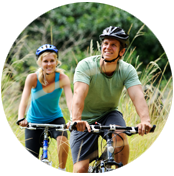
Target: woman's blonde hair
[(41, 75)]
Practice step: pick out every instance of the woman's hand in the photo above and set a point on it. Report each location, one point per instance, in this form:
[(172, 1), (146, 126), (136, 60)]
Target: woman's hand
[(23, 123)]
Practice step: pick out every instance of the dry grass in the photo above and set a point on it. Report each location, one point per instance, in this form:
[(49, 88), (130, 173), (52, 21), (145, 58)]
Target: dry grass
[(149, 154)]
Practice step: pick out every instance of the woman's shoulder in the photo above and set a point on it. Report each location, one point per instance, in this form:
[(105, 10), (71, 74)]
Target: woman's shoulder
[(63, 79), (63, 76), (32, 79), (32, 76)]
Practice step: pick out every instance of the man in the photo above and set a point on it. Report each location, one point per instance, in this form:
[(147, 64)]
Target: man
[(98, 83)]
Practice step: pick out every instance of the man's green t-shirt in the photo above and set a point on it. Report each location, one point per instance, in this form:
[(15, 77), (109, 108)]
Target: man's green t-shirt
[(104, 91)]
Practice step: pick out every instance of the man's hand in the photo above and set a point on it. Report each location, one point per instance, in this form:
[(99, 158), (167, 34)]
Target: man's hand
[(82, 125), (144, 127)]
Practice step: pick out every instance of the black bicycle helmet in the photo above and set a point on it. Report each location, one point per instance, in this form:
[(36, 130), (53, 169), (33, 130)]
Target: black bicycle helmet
[(117, 33), (46, 47)]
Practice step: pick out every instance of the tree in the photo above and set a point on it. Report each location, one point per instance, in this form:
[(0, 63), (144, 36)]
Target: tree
[(72, 27)]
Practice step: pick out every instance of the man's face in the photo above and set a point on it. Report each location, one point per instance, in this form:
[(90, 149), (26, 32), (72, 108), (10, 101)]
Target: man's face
[(111, 48)]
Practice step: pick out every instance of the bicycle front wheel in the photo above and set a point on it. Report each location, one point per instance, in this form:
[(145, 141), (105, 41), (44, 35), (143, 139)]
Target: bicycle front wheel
[(92, 169)]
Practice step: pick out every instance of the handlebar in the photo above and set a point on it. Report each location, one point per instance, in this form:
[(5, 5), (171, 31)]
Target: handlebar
[(99, 128), (34, 126)]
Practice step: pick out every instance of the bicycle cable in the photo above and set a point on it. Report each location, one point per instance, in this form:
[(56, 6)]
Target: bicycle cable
[(115, 134)]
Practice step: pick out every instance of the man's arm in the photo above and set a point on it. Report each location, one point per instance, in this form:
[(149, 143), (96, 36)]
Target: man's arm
[(137, 97), (80, 93)]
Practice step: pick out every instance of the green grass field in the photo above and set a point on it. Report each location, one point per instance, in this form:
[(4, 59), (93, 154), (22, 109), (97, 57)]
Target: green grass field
[(152, 153)]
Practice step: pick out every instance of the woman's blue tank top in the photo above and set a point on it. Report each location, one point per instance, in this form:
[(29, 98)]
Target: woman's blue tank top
[(44, 107)]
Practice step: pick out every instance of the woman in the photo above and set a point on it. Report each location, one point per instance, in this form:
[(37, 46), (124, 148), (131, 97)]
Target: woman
[(45, 87)]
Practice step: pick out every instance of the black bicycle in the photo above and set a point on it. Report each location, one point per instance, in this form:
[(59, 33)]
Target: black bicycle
[(105, 161)]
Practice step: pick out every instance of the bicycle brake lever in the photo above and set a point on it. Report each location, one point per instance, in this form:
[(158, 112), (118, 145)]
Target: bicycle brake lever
[(93, 129), (128, 133)]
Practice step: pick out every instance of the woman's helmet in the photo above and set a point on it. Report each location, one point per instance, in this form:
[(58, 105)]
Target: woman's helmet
[(117, 33), (46, 47)]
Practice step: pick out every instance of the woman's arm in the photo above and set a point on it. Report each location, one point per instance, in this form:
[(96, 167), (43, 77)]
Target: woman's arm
[(30, 82)]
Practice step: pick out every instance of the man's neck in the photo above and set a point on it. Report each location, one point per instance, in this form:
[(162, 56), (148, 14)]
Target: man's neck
[(108, 68)]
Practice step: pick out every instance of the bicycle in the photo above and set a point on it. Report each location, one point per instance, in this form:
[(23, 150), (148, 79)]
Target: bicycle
[(45, 128), (105, 161)]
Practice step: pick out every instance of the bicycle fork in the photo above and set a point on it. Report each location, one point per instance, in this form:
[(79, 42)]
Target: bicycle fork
[(44, 157), (45, 144), (110, 151)]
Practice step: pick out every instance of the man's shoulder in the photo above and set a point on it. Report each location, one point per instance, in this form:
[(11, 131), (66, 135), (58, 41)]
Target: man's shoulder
[(88, 63), (90, 59), (124, 65)]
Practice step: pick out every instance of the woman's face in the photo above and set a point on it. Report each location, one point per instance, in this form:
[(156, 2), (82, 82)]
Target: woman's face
[(49, 63)]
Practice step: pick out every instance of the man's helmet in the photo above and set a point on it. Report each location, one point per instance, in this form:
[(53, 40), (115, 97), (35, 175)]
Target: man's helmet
[(46, 47), (117, 33)]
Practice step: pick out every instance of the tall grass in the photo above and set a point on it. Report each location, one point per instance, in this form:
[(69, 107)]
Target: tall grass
[(158, 98), (152, 153)]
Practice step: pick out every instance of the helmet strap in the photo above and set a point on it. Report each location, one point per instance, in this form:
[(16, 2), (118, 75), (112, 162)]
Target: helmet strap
[(110, 60)]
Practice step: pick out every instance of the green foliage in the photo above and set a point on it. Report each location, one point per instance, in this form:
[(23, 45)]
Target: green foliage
[(71, 28), (158, 37)]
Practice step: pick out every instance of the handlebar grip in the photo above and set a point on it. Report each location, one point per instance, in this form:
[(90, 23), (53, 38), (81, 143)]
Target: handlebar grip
[(65, 126), (153, 129), (73, 127), (20, 120)]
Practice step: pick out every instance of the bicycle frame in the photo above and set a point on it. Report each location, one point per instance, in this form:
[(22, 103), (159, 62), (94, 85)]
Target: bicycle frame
[(106, 160), (102, 163), (45, 127)]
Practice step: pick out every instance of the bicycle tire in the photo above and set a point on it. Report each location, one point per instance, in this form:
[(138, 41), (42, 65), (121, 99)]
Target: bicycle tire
[(92, 169)]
